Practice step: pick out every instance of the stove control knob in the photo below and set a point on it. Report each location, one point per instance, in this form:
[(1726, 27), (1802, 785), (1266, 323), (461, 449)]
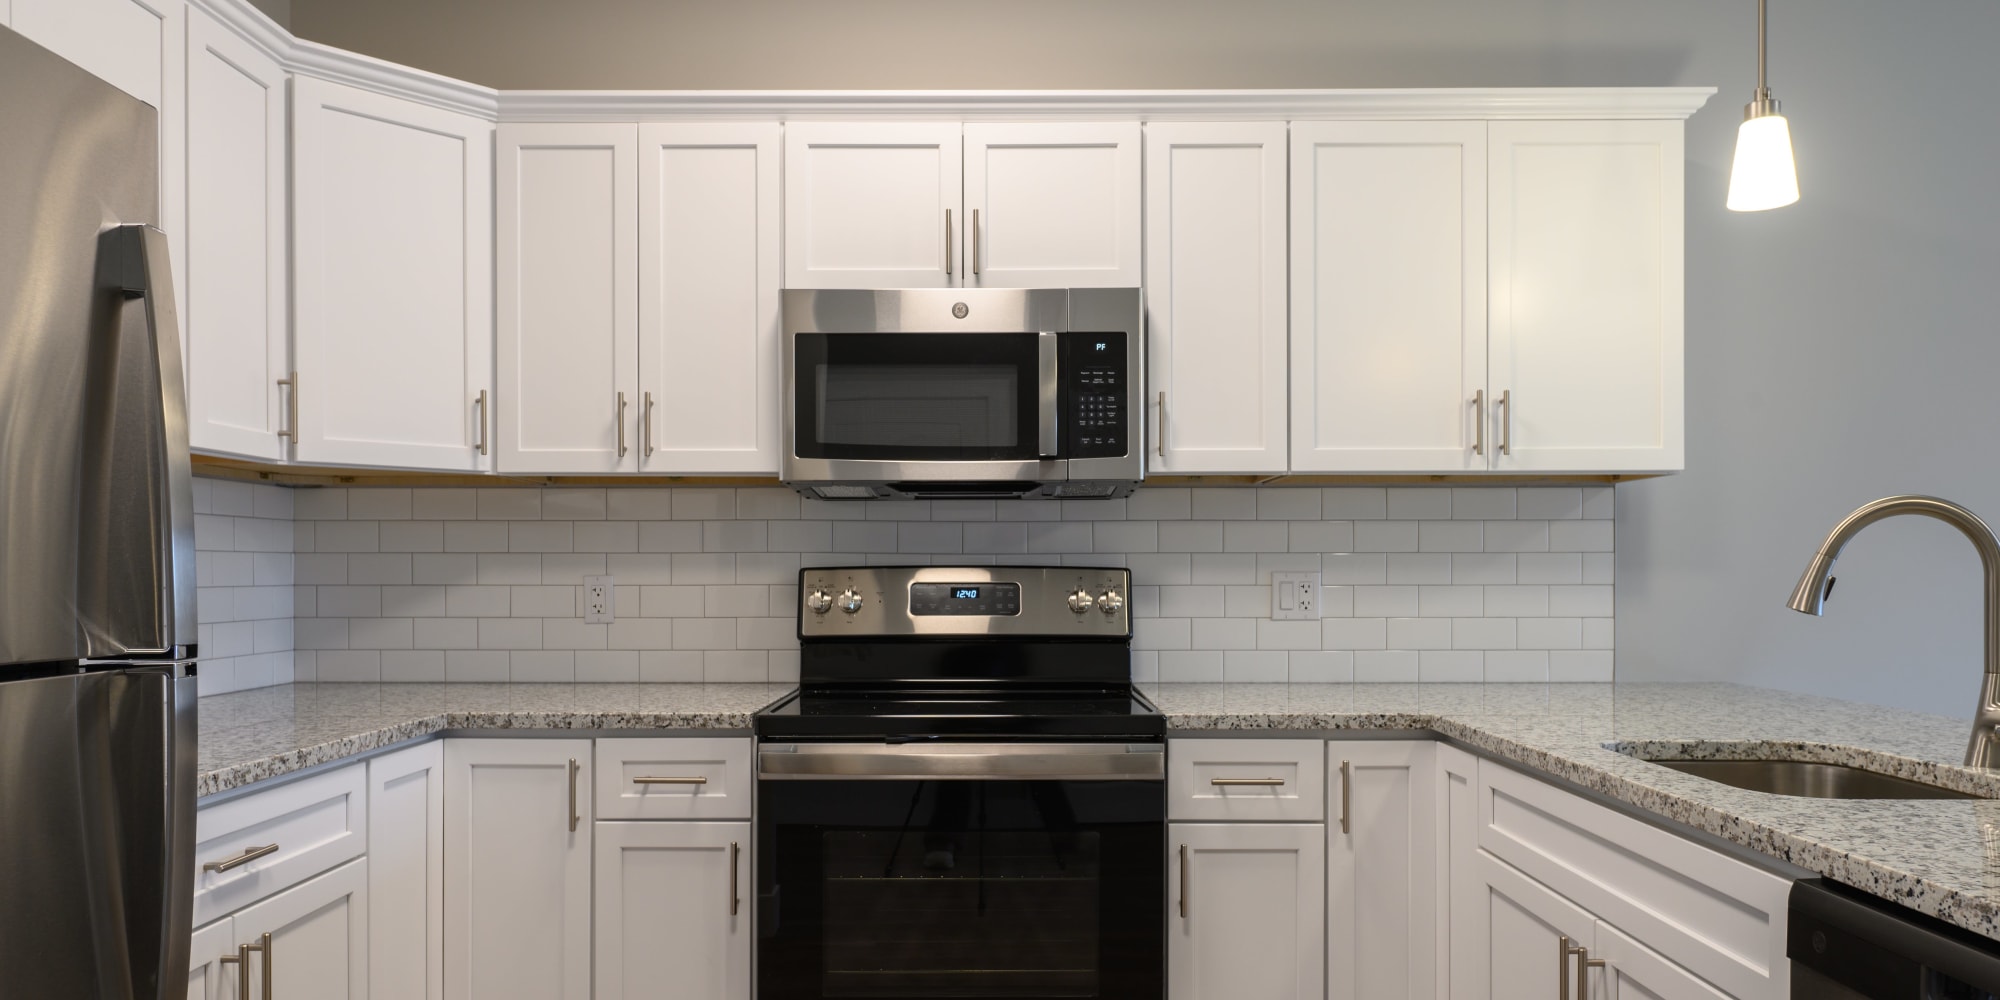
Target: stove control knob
[(819, 601), (1111, 602), (850, 600), (1081, 601)]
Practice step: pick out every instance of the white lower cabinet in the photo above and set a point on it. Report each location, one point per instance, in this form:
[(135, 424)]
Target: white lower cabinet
[(673, 913), (310, 942), (1381, 867), (406, 874), (1249, 913), (209, 977), (517, 869)]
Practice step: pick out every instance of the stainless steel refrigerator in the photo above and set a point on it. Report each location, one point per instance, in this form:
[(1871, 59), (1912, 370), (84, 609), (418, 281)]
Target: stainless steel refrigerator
[(97, 629)]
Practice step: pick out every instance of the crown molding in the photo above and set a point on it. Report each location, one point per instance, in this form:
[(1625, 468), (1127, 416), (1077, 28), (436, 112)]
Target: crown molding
[(1540, 103), (253, 25), (324, 62)]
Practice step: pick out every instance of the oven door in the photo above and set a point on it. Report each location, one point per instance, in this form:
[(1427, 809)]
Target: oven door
[(938, 872), (924, 406)]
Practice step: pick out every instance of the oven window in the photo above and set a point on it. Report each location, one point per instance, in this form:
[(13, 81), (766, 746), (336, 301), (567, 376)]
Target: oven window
[(921, 889), (917, 397)]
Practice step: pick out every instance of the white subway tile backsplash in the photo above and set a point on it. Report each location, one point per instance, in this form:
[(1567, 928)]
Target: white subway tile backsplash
[(1475, 583)]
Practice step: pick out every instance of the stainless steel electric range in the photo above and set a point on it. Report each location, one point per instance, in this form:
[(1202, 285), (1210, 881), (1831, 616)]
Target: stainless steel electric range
[(966, 797)]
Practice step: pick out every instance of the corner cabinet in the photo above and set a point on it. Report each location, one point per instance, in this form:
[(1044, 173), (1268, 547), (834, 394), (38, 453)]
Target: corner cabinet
[(393, 251), (1215, 297)]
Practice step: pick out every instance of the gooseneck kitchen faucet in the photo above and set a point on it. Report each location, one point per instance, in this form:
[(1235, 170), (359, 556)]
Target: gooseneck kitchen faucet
[(1983, 749)]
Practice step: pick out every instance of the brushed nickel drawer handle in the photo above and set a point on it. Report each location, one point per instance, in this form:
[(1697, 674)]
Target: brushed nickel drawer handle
[(242, 962), (269, 956), (1264, 782), (573, 817), (249, 854), (669, 781), (1346, 794)]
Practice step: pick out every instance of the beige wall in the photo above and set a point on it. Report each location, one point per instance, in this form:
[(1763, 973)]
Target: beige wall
[(1839, 350)]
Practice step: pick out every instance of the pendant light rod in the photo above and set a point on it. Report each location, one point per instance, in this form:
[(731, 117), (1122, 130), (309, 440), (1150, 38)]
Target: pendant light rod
[(1761, 102)]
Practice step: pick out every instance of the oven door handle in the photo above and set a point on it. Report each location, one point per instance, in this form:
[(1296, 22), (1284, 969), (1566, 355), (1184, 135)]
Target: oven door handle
[(962, 762), (1051, 437)]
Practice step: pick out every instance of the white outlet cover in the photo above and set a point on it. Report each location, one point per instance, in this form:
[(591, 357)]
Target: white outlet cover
[(1295, 596), (600, 600)]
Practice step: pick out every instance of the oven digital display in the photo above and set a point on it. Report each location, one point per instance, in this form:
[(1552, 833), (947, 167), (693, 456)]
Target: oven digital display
[(965, 599)]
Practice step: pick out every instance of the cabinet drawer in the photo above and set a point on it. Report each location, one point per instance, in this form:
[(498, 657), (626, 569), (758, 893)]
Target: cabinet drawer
[(288, 834), (1246, 780), (673, 779), (1721, 918)]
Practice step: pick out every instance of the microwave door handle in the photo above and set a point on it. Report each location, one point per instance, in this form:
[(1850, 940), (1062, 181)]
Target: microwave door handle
[(1051, 438)]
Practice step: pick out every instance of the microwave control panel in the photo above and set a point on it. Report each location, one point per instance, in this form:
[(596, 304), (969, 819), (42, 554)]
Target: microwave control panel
[(1097, 390)]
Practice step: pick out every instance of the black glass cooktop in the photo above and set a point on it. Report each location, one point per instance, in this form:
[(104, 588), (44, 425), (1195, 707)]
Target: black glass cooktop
[(1109, 713)]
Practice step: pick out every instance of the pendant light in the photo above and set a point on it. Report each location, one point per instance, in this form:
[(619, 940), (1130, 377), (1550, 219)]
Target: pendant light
[(1763, 175)]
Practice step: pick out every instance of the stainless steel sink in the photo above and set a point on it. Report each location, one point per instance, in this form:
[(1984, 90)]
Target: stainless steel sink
[(1819, 781)]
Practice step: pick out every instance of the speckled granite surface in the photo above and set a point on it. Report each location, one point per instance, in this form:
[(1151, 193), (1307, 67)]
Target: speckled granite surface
[(1939, 857), (252, 735)]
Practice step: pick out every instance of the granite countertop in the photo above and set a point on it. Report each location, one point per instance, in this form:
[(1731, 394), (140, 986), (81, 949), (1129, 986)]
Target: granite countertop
[(1940, 857), (1936, 856), (249, 736)]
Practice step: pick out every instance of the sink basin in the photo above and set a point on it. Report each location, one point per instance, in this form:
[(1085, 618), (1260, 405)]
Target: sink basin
[(1819, 781)]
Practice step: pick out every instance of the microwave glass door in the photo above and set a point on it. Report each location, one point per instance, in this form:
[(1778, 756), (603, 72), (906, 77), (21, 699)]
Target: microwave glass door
[(960, 397), (912, 890)]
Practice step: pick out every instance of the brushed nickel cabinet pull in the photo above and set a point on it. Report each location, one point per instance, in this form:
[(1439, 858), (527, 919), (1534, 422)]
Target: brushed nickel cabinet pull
[(573, 817), (947, 242), (1230, 782), (1563, 952), (1184, 881), (735, 851), (1479, 422), (648, 780), (242, 962), (1584, 963), (270, 959), (975, 241), (249, 854), (646, 427), (621, 425), (291, 428), (481, 403), (1162, 435), (1506, 421), (1346, 793)]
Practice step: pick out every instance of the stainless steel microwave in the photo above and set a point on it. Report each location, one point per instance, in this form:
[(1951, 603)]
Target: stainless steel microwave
[(963, 393)]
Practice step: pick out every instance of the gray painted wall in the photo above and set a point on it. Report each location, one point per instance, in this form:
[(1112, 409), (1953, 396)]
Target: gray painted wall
[(1839, 350)]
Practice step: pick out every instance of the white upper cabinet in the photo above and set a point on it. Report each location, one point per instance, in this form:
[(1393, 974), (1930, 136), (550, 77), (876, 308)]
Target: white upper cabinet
[(1586, 304), (1215, 297), (1388, 296), (1052, 205), (393, 250), (234, 313), (567, 314), (708, 349), (873, 205)]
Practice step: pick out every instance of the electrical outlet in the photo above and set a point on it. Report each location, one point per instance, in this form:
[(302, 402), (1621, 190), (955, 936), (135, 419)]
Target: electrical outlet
[(1294, 596), (599, 598)]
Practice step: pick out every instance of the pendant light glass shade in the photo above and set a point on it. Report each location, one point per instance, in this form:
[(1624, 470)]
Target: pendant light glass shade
[(1764, 175)]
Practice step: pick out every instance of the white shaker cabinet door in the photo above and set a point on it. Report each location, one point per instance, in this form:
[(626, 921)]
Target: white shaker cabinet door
[(1216, 316), (1382, 870), (1632, 971), (517, 869), (393, 252), (873, 205), (311, 941), (1461, 888), (1248, 911), (1388, 296), (1527, 931), (673, 911), (235, 271), (567, 312), (209, 977), (1052, 205), (406, 874), (709, 276), (1586, 300)]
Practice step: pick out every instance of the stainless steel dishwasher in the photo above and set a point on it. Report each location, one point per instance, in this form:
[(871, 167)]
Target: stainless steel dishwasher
[(1847, 945)]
